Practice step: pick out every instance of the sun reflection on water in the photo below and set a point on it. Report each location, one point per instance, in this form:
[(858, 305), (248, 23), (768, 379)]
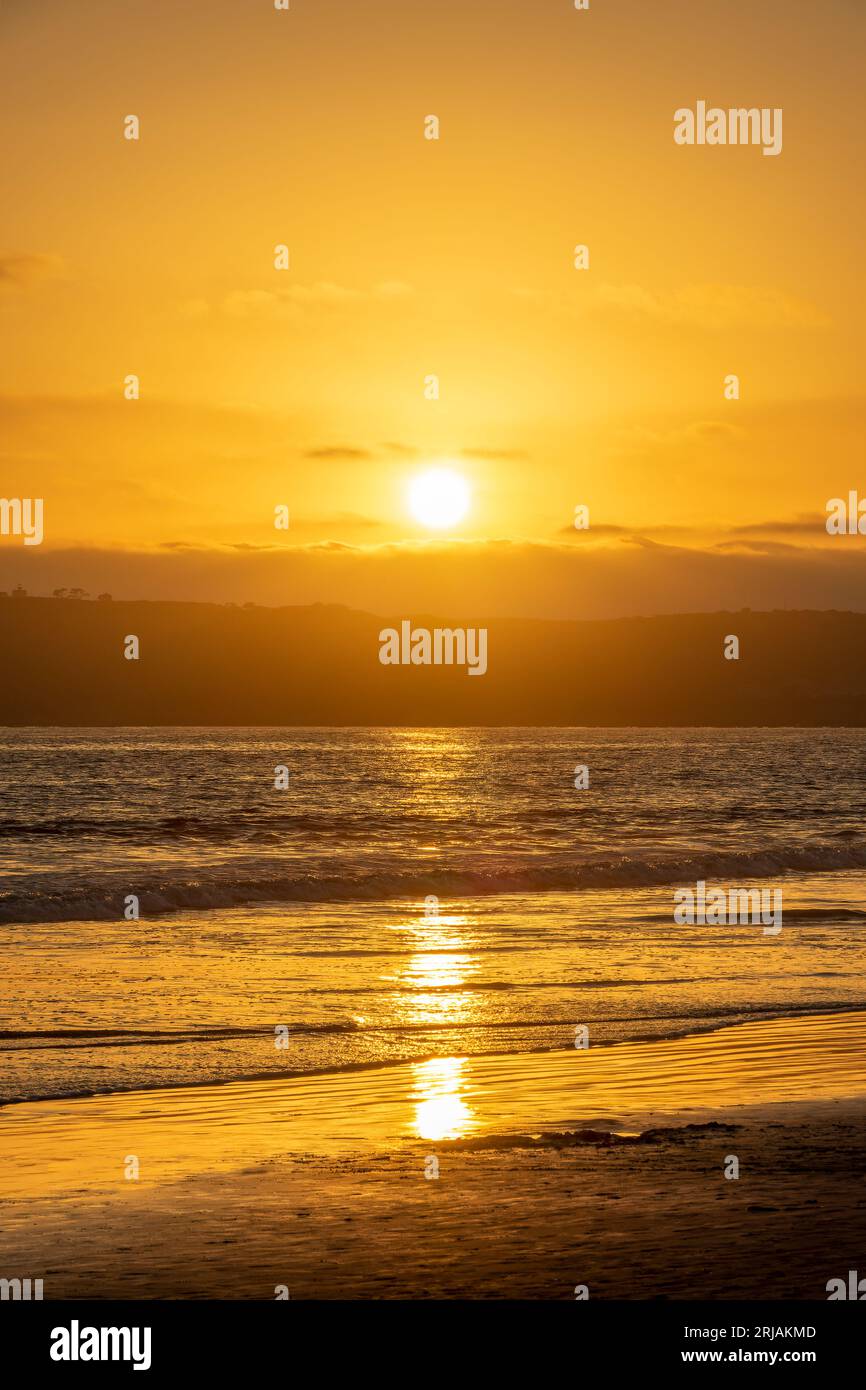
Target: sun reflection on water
[(430, 986), (440, 1110), (430, 990)]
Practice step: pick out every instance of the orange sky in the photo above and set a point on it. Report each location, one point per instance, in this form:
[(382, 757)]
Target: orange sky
[(411, 257)]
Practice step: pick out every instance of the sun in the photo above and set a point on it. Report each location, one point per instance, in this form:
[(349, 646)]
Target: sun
[(439, 497)]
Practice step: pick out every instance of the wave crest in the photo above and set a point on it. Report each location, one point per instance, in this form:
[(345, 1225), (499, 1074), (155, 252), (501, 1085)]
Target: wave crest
[(104, 902)]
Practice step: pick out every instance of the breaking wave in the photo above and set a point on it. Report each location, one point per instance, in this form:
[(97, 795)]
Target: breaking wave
[(103, 900)]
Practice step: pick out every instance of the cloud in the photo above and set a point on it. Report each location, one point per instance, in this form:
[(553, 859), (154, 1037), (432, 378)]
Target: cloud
[(694, 438), (710, 431), (20, 271), (324, 294), (335, 452), (710, 306), (606, 530), (484, 579), (797, 533), (803, 525), (603, 528), (401, 450)]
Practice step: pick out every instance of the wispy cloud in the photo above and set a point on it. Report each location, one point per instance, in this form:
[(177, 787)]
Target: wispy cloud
[(290, 299), (23, 269), (336, 452), (711, 306), (627, 576), (704, 306), (805, 524), (401, 450)]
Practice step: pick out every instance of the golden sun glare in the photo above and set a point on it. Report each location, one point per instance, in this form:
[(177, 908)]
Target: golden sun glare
[(439, 497)]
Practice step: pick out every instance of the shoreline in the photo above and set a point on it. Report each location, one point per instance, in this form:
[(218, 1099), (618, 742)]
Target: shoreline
[(795, 1058), (353, 1068), (323, 1184)]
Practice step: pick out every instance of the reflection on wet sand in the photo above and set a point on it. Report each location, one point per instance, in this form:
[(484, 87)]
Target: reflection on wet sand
[(81, 1146), (440, 1110)]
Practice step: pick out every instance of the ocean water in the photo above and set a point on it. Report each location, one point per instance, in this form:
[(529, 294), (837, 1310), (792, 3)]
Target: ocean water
[(410, 894)]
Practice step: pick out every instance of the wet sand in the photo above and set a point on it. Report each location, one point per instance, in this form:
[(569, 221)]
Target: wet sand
[(321, 1183)]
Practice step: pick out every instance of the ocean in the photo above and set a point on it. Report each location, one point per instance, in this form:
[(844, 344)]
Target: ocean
[(410, 893)]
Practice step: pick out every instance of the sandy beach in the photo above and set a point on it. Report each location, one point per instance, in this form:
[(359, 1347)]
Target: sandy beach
[(603, 1167)]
